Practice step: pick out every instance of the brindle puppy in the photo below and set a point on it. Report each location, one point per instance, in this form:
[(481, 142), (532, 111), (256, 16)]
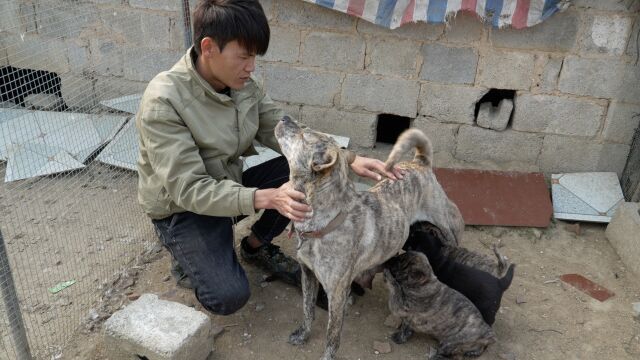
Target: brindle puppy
[(426, 305), (482, 288), (459, 254), (351, 232)]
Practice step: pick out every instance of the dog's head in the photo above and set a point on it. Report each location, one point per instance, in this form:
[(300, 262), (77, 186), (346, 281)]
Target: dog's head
[(314, 158), (410, 270)]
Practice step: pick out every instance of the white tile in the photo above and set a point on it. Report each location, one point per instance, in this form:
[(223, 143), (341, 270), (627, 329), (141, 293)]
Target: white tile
[(590, 196)]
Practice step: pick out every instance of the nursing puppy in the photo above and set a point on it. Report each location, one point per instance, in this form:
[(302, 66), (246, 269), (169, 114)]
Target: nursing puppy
[(349, 232), (459, 254), (482, 288), (426, 305)]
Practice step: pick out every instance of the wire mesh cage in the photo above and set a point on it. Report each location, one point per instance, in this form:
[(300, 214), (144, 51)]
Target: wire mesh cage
[(71, 75)]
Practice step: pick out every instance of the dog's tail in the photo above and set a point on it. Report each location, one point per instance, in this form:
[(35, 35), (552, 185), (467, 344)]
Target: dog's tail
[(411, 139), (503, 263), (505, 281)]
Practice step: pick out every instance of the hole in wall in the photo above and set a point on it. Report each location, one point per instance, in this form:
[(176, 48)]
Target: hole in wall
[(18, 83), (390, 127), (494, 96)]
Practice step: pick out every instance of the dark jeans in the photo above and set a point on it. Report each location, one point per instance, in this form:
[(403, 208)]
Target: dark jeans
[(203, 245)]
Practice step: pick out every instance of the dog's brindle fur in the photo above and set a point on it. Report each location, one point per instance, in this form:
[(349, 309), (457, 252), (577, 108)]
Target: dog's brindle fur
[(376, 224), (428, 306)]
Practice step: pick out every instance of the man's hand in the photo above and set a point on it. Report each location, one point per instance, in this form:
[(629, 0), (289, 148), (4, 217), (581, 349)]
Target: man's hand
[(285, 199), (373, 168)]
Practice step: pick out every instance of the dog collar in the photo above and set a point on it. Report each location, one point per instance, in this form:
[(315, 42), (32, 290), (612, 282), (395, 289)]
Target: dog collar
[(332, 225)]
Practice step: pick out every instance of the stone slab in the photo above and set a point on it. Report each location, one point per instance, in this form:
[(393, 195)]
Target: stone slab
[(622, 233), (592, 196)]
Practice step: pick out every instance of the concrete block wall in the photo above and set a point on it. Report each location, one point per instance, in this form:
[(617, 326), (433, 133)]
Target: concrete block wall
[(575, 76)]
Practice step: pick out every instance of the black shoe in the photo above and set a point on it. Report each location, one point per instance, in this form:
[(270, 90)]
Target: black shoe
[(269, 258), (177, 272)]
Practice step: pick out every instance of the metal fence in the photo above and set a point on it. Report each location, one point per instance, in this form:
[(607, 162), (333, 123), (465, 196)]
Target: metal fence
[(69, 74)]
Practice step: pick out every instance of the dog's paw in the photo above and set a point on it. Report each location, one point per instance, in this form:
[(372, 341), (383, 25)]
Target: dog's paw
[(299, 336), (401, 337)]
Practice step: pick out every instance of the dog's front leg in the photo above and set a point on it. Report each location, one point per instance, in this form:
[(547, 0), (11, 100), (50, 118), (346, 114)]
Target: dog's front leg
[(309, 296), (337, 304)]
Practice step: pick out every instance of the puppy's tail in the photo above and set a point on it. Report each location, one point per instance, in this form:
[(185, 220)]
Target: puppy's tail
[(505, 281), (411, 139), (503, 263)]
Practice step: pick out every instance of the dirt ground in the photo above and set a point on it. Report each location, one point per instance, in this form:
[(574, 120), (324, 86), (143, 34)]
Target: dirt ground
[(540, 317), (87, 227)]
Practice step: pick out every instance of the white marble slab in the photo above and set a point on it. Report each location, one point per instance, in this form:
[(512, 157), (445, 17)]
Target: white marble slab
[(592, 196), (33, 159), (129, 103)]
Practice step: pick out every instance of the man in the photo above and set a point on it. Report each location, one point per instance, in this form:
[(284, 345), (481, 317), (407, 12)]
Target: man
[(195, 122)]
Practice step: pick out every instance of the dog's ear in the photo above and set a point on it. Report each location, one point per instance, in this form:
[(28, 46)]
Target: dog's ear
[(418, 277), (325, 160)]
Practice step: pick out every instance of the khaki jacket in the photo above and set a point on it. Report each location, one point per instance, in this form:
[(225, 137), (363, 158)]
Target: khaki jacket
[(191, 139)]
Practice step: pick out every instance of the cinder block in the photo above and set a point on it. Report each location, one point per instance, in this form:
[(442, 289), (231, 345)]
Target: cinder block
[(27, 17), (449, 65), (155, 31), (393, 57), (332, 50), (442, 136), (284, 45), (107, 57), (312, 16), (293, 110), (569, 154), (378, 94), (299, 85), (478, 144), (77, 91), (449, 103), (66, 20), (606, 34), (35, 52), (632, 45), (148, 62), (416, 31), (156, 329), (558, 33), (176, 33), (359, 127), (10, 11), (622, 121), (465, 28), (78, 54), (549, 71), (506, 70), (168, 5), (603, 78), (622, 233), (41, 101), (267, 6), (495, 117), (557, 115), (607, 5)]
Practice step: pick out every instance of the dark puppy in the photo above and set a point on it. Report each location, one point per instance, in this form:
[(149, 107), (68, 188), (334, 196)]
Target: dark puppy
[(483, 289), (459, 254), (426, 305)]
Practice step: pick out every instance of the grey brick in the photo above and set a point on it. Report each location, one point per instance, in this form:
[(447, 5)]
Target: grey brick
[(568, 154), (557, 115), (609, 5), (284, 45), (557, 33), (605, 34), (176, 33), (449, 103), (478, 144), (386, 95), (506, 70), (77, 91), (449, 65), (65, 21), (293, 110), (303, 86), (313, 16), (600, 78), (622, 121), (78, 53), (267, 6), (148, 62), (10, 11), (27, 17), (464, 28), (393, 57), (549, 71), (417, 31), (632, 46), (35, 52), (442, 136), (359, 127), (139, 28), (107, 57), (155, 31), (331, 50), (168, 5), (495, 117)]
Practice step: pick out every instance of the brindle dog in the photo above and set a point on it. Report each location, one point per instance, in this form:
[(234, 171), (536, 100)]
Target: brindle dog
[(426, 305), (351, 232)]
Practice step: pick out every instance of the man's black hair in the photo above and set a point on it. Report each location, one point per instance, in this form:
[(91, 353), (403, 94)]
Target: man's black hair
[(229, 20)]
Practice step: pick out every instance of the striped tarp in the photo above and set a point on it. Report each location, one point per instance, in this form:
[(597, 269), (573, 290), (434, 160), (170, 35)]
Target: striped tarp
[(500, 13)]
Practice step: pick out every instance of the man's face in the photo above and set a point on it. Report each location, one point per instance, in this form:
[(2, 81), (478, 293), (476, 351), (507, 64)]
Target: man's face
[(230, 67)]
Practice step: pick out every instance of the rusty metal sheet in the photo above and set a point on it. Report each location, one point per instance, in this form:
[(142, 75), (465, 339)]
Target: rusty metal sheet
[(505, 198)]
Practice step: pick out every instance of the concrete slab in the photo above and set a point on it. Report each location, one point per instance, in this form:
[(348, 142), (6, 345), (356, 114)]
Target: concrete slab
[(32, 159), (129, 103), (505, 198), (122, 151), (154, 329), (590, 196), (622, 233)]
